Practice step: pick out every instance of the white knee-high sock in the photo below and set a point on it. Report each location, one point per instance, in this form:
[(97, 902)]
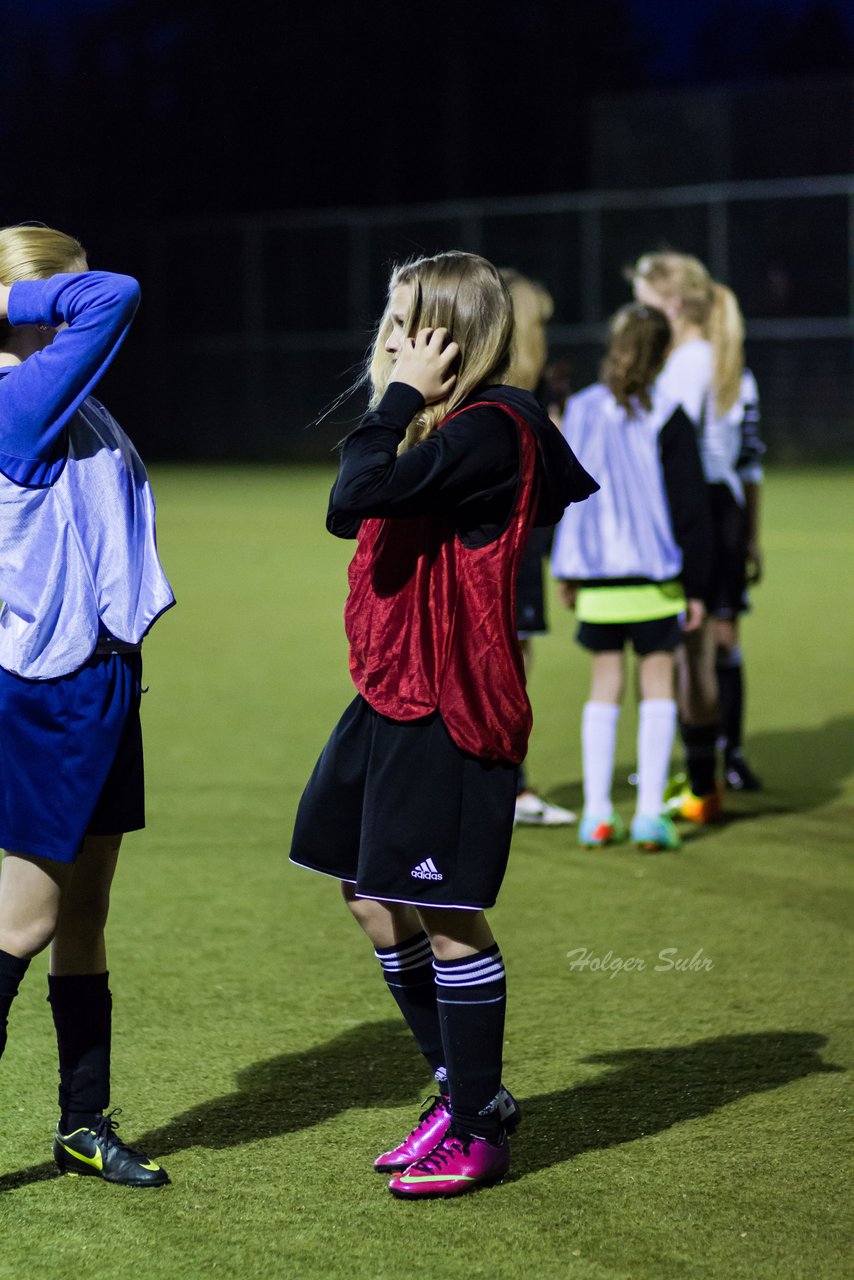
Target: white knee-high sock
[(598, 744), (656, 731)]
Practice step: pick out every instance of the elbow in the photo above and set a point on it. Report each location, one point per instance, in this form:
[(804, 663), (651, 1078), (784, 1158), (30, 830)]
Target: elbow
[(349, 500), (127, 292), (113, 293), (341, 525)]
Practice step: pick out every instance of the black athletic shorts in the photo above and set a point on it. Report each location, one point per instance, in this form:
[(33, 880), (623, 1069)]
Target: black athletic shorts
[(656, 635), (727, 596), (396, 808), (530, 595)]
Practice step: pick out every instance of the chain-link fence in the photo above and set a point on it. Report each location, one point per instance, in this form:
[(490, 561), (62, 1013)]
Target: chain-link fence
[(252, 326)]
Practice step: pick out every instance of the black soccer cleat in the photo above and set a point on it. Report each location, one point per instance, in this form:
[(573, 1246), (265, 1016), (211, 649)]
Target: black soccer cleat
[(99, 1153), (738, 773)]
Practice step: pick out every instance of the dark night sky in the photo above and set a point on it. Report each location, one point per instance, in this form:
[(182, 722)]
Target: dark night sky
[(152, 107)]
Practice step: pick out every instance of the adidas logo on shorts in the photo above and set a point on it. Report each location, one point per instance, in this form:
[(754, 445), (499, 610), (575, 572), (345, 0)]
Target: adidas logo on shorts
[(427, 870)]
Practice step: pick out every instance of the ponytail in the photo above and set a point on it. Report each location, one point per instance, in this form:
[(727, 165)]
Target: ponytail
[(726, 334)]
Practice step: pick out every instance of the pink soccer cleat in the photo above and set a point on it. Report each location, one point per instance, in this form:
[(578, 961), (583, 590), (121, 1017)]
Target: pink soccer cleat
[(459, 1164), (432, 1126)]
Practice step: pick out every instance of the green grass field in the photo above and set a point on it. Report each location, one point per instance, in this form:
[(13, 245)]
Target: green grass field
[(679, 1122)]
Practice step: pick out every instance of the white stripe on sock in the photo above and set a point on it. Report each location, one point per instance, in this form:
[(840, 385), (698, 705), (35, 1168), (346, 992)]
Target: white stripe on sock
[(472, 977), (473, 982), (459, 972), (496, 1000), (417, 953)]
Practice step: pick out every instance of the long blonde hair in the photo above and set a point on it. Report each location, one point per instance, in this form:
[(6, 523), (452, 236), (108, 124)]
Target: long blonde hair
[(533, 308), (35, 252), (706, 303), (464, 294)]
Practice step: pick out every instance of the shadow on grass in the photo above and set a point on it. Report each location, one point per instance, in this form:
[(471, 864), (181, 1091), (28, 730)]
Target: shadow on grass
[(650, 1090), (802, 769), (372, 1065), (807, 766)]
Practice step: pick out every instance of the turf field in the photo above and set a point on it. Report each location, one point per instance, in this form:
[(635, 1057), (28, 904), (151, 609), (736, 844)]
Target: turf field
[(684, 1113)]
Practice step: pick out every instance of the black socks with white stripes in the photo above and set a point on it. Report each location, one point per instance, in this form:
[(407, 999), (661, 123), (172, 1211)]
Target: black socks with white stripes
[(455, 1010), (408, 969), (471, 994)]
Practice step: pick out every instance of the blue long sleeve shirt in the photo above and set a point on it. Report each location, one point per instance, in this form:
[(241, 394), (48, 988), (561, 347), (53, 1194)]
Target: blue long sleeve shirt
[(78, 547), (39, 397)]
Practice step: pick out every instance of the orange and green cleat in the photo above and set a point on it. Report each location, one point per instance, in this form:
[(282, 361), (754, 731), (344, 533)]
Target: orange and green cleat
[(681, 802), (595, 833), (654, 831)]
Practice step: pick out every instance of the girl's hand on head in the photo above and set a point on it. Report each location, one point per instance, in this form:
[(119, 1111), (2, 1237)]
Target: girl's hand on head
[(5, 290), (695, 615), (423, 362)]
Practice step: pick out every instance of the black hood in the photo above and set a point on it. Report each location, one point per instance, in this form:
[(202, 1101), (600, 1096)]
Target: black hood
[(562, 478)]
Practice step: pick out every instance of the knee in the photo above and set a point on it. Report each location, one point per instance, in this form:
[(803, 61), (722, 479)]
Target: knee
[(27, 938), (446, 948), (457, 934), (363, 910), (84, 912)]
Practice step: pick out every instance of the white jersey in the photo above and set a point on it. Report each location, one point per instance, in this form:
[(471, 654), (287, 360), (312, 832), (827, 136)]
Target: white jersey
[(624, 530), (687, 378), (78, 553), (730, 446)]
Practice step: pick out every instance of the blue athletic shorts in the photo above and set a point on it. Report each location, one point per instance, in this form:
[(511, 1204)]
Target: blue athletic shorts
[(71, 757)]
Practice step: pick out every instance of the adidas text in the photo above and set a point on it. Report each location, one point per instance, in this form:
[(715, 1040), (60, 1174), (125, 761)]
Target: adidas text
[(426, 870)]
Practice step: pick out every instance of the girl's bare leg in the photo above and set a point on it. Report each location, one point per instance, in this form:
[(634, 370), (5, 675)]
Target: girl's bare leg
[(656, 732), (30, 893), (78, 945)]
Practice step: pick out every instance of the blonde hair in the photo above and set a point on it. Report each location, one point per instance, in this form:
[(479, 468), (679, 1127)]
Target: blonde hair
[(726, 334), (533, 307), (464, 294), (34, 252), (705, 303), (639, 339)]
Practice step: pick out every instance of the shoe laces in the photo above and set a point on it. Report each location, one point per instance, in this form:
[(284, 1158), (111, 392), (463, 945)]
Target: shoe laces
[(447, 1150), (431, 1104), (106, 1129)]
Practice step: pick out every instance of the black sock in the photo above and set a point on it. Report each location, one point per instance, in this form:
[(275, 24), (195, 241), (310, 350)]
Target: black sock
[(471, 995), (82, 1009), (12, 970), (700, 743), (408, 970), (731, 694)]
